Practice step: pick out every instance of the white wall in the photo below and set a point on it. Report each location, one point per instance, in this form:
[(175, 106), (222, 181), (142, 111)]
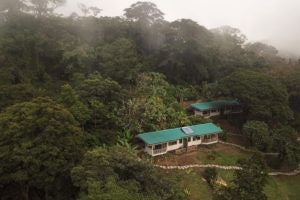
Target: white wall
[(210, 142), (210, 114), (148, 150), (169, 148), (227, 111), (200, 113), (218, 112), (193, 143), (174, 147), (158, 154), (197, 112), (215, 113)]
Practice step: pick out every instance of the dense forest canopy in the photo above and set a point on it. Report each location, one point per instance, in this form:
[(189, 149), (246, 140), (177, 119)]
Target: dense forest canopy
[(70, 87)]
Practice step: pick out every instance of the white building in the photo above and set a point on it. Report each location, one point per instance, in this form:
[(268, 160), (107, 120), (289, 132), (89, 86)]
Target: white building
[(218, 107), (161, 142)]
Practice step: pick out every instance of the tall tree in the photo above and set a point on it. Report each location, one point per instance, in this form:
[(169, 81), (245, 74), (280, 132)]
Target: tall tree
[(268, 52), (233, 35), (286, 143), (45, 7), (103, 97), (70, 100), (12, 94), (248, 183), (13, 6), (40, 141), (152, 106), (185, 53), (230, 54), (292, 81), (119, 60), (116, 173), (258, 134), (263, 97), (145, 13)]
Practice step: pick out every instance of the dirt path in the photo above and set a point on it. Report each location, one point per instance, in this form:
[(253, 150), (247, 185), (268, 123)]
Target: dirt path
[(166, 166), (245, 149), (293, 173)]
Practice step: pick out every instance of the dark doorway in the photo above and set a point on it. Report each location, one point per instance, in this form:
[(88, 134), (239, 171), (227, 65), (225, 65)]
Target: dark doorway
[(185, 142)]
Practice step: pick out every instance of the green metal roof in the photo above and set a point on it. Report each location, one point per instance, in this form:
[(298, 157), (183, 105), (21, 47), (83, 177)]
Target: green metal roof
[(177, 133), (209, 105)]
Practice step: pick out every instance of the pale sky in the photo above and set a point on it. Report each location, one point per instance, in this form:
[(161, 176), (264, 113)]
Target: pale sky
[(274, 21)]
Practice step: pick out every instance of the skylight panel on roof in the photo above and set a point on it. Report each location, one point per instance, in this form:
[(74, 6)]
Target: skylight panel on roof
[(187, 130)]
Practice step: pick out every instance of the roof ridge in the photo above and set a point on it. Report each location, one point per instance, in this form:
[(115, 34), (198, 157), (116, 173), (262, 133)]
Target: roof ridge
[(166, 135), (178, 127)]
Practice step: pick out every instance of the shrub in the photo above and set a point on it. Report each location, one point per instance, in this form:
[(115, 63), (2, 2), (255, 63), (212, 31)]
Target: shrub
[(210, 175)]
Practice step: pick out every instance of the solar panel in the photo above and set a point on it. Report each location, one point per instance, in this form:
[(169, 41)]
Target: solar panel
[(187, 130)]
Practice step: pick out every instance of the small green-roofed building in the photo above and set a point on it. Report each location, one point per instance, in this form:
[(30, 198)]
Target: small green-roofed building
[(217, 107), (161, 142)]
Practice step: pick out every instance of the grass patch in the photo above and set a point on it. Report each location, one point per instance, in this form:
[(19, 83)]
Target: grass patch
[(226, 175), (221, 157), (277, 188), (214, 154), (283, 188), (192, 181)]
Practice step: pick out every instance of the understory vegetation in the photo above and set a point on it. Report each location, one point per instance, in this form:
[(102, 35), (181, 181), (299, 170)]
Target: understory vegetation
[(76, 90)]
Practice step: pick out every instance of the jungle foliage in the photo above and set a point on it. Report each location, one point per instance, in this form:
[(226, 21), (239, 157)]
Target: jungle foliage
[(71, 87)]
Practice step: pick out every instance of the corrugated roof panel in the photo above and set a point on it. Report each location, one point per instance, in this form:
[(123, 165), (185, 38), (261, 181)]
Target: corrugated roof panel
[(177, 133), (209, 105)]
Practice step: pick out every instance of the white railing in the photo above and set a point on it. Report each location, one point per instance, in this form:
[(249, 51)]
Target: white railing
[(210, 140), (158, 151)]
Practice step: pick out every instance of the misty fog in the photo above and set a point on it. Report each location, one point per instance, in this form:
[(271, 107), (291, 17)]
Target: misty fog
[(271, 21)]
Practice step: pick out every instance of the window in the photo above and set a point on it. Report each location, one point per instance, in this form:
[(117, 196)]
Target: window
[(189, 139), (228, 108), (207, 137), (195, 138), (150, 147), (180, 141), (172, 143), (205, 112), (160, 146)]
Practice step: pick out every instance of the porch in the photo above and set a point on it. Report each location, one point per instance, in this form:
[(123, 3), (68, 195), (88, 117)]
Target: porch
[(210, 139)]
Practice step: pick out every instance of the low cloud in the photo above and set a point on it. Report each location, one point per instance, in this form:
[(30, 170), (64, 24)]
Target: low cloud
[(273, 21)]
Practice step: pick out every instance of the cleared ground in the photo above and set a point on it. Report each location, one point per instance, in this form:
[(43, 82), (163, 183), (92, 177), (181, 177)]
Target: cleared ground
[(215, 154), (191, 181), (277, 188)]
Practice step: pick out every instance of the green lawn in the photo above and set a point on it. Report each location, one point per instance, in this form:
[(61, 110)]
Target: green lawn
[(277, 188), (226, 157), (217, 154), (283, 188), (226, 175), (191, 180)]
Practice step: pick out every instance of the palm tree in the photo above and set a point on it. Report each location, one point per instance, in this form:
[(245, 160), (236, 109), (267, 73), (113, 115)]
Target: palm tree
[(125, 141)]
